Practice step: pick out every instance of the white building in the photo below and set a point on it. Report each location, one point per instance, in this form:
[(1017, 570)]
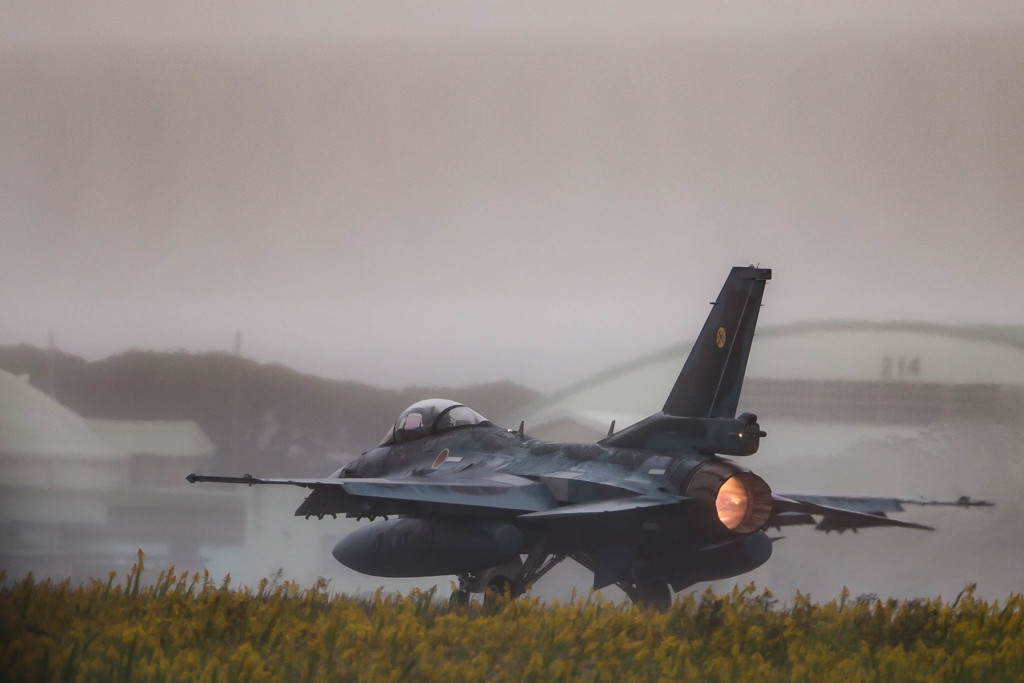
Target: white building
[(79, 496)]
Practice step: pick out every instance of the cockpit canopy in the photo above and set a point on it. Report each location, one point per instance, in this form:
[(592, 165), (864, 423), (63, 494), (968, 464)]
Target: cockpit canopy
[(433, 416)]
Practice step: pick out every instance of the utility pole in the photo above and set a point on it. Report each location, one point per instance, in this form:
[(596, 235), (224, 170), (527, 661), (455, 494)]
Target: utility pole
[(236, 399), (51, 368)]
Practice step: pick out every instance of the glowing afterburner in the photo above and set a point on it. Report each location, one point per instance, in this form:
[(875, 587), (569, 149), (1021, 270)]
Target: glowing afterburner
[(743, 503), (732, 503)]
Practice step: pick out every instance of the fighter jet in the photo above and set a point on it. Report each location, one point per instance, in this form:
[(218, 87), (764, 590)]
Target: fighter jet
[(653, 508)]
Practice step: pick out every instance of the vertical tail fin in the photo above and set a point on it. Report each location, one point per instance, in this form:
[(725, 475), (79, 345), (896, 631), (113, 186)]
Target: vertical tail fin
[(710, 382)]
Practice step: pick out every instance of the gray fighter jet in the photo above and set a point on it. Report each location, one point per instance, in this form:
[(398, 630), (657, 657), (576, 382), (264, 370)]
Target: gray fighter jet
[(652, 508)]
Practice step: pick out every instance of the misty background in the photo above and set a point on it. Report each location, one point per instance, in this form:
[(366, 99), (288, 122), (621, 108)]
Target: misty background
[(460, 193), (464, 193)]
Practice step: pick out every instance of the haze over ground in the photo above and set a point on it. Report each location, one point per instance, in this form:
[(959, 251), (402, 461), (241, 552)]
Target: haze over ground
[(458, 193), (461, 192)]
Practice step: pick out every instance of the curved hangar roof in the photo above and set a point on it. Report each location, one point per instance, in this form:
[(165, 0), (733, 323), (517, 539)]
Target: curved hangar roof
[(869, 351), (32, 424), (889, 363)]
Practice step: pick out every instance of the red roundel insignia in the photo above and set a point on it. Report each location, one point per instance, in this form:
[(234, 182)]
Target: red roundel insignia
[(441, 457)]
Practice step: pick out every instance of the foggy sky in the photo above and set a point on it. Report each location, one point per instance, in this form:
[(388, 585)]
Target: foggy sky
[(466, 193)]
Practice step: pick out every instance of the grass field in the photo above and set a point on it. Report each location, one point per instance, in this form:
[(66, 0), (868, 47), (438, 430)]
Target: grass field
[(188, 627)]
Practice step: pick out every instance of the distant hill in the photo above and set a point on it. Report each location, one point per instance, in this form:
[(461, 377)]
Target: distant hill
[(287, 422)]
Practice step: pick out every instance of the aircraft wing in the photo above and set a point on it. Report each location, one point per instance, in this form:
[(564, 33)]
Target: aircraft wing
[(877, 504), (605, 507), (839, 513), (367, 496)]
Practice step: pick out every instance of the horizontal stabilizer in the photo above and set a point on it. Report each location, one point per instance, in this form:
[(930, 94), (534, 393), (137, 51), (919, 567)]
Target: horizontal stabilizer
[(872, 505), (838, 518)]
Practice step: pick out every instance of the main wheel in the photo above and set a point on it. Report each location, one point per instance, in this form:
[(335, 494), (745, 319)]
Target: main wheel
[(500, 585), (459, 599), (654, 594)]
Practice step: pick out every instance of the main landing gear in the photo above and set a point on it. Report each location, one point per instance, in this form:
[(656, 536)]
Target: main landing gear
[(515, 576), (649, 593), (512, 577), (644, 587), (459, 597)]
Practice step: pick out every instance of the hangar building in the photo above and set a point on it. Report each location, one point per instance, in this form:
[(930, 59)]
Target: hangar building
[(79, 496), (866, 374)]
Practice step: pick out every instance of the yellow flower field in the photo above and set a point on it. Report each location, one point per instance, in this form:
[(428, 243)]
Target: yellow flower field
[(189, 627)]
